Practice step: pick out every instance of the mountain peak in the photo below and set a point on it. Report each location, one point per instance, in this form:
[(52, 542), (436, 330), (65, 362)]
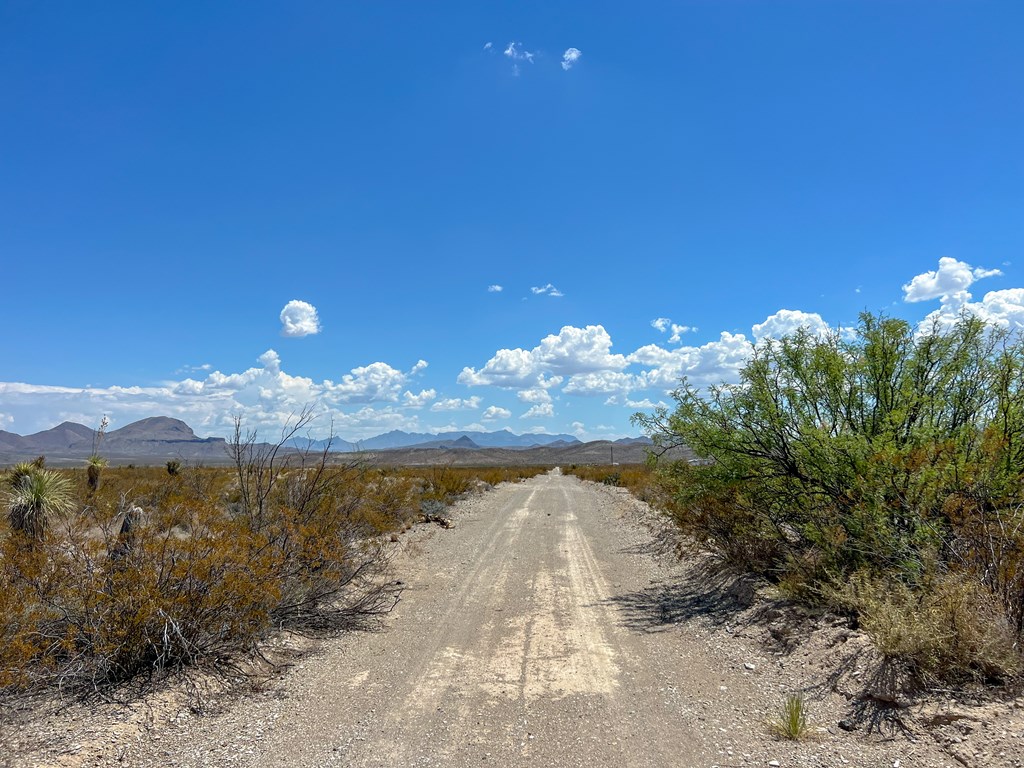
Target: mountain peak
[(154, 428)]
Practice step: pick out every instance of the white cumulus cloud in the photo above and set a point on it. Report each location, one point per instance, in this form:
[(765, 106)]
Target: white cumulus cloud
[(717, 361), (420, 400), (949, 282), (375, 382), (508, 368), (540, 411), (577, 350), (534, 395), (1004, 309), (495, 412), (457, 404), (572, 350), (264, 396), (646, 404), (299, 318), (495, 288), (570, 57), (787, 321), (600, 383)]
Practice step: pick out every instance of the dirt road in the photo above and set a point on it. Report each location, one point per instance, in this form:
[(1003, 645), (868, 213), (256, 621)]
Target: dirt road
[(540, 631)]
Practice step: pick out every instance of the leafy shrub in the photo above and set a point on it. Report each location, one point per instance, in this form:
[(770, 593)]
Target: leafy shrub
[(888, 452)]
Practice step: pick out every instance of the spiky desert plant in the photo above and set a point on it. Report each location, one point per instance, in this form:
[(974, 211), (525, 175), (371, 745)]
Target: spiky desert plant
[(95, 463), (33, 497), (93, 467), (20, 471)]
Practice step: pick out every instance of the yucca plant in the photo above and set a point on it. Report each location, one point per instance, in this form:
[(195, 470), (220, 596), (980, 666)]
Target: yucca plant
[(95, 463), (93, 467), (34, 495), (20, 471)]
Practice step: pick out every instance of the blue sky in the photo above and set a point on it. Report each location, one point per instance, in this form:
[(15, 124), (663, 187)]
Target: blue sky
[(173, 176)]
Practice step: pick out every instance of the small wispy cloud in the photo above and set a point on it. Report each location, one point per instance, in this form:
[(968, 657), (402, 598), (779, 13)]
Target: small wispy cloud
[(570, 57), (495, 288), (299, 318), (457, 404), (515, 52), (546, 290), (488, 45), (519, 54)]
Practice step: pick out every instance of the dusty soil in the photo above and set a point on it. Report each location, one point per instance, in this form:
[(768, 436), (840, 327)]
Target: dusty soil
[(549, 628)]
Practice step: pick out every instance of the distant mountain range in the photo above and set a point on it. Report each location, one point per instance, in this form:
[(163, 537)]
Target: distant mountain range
[(161, 437), (157, 436), (468, 440)]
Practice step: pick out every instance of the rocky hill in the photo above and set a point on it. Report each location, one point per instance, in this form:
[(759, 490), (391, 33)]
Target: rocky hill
[(146, 441)]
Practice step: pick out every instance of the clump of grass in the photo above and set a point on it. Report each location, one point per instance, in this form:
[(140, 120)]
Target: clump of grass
[(791, 721)]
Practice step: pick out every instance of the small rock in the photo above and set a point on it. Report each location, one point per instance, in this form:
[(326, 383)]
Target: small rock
[(774, 763), (748, 665), (847, 725)]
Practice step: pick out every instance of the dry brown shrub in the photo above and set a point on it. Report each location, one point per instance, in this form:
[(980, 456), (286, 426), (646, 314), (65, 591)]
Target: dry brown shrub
[(951, 630), (114, 592), (989, 544), (152, 571)]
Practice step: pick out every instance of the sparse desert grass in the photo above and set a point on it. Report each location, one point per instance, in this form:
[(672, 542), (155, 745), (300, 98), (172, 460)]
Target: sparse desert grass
[(790, 721), (636, 477), (951, 630)]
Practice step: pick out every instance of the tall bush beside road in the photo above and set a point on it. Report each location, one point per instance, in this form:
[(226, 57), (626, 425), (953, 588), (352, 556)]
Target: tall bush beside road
[(891, 453)]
